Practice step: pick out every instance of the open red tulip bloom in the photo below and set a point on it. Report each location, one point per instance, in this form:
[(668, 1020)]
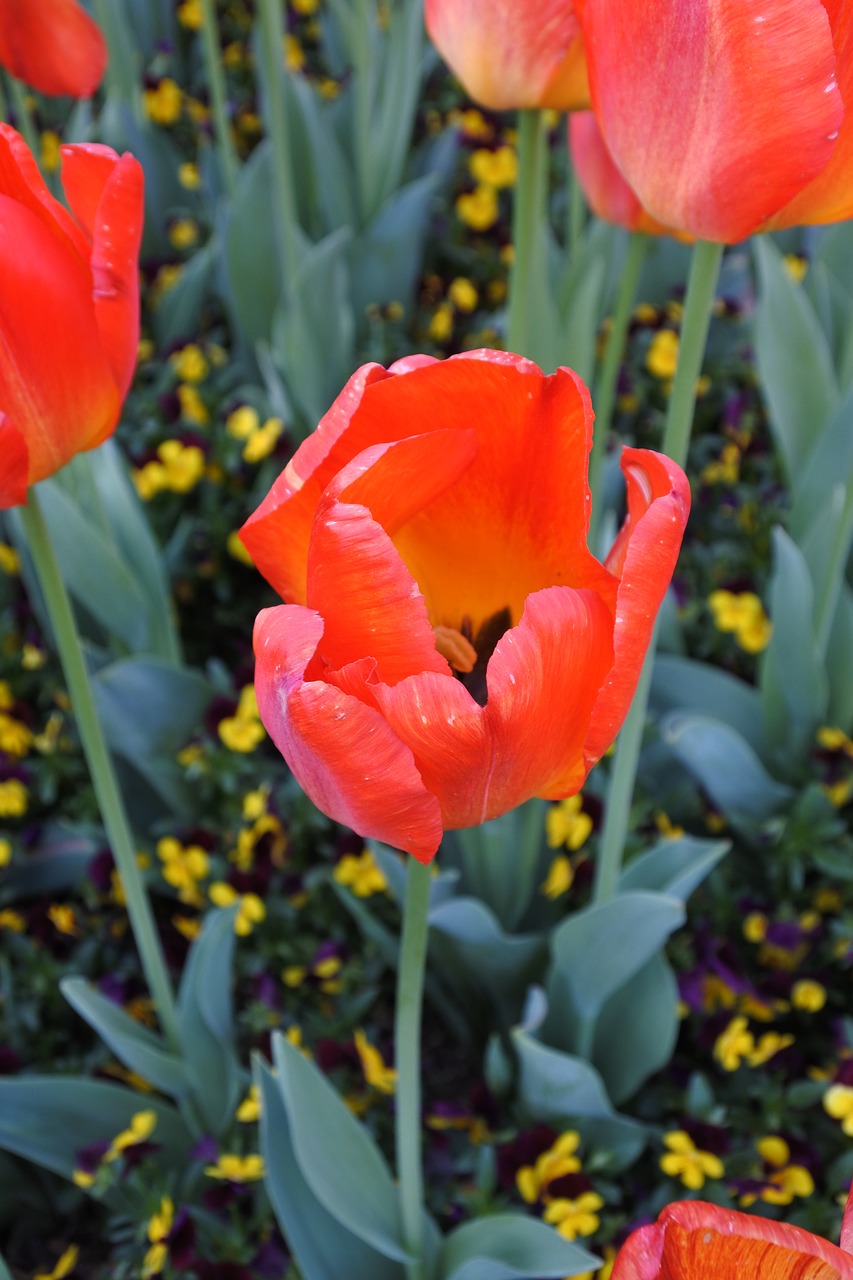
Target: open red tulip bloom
[(451, 647), (726, 116), (69, 306), (512, 53), (696, 1241), (52, 45)]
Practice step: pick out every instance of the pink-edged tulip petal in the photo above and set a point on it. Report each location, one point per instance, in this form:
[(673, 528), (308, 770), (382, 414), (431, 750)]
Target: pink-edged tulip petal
[(701, 1241), (106, 193), (829, 196), (341, 751), (14, 464), (512, 53), (717, 112), (543, 678), (54, 377), (606, 191), (52, 45), (643, 559)]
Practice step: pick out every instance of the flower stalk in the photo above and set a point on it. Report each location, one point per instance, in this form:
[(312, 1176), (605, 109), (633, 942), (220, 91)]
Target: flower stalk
[(528, 281)]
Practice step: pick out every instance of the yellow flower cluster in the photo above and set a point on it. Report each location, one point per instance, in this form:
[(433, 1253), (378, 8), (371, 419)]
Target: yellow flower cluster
[(235, 1168), (376, 1073), (159, 1226), (684, 1160), (163, 103), (184, 867), (736, 1045), (572, 1217), (725, 469), (250, 908), (243, 731), (361, 873), (743, 614), (785, 1180), (177, 468)]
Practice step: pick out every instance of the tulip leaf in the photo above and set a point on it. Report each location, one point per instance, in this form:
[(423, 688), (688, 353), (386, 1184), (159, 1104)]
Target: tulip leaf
[(250, 250), (829, 463), (794, 360), (5, 1273), (598, 950), (55, 863), (387, 255), (509, 1246), (501, 861), (324, 1248), (139, 1048), (839, 668), (180, 308), (206, 1022), (636, 1030), (561, 1089), (727, 768), (49, 1119), (337, 1157), (792, 679), (681, 684), (673, 867)]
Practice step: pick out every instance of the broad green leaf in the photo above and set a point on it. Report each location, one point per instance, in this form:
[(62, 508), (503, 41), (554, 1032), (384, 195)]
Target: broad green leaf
[(56, 862), (324, 1249), (250, 250), (387, 256), (637, 1029), (597, 950), (794, 360), (500, 861), (792, 679), (839, 668), (49, 1119), (727, 768), (206, 1024), (559, 1089), (179, 311), (830, 462), (510, 1246), (674, 867), (395, 92), (337, 1157), (681, 684), (139, 1048), (5, 1273)]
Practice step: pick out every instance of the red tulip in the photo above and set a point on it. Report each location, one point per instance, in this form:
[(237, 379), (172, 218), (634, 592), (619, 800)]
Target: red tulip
[(719, 113), (512, 53), (696, 1241), (606, 191), (69, 306), (52, 45), (451, 647)]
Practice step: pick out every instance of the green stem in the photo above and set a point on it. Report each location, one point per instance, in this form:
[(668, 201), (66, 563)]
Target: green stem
[(216, 82), (24, 117), (528, 277), (605, 387), (830, 588), (701, 286), (576, 214), (272, 45), (116, 85), (407, 1034), (100, 765)]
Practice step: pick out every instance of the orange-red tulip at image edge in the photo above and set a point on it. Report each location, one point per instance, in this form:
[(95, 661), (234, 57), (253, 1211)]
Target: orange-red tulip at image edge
[(451, 647), (54, 46), (69, 306), (726, 117), (511, 55), (692, 1240)]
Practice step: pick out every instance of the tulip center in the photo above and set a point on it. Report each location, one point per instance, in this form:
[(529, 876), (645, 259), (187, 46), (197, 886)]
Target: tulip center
[(469, 654)]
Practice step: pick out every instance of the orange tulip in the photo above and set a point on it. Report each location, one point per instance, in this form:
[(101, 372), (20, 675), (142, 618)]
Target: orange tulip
[(720, 113), (69, 306), (696, 1241), (451, 647), (512, 53), (607, 193), (52, 45)]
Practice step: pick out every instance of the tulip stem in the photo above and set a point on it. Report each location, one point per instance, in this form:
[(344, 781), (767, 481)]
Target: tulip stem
[(216, 81), (829, 589), (407, 1038), (272, 71), (575, 214), (527, 314), (701, 287), (24, 117), (605, 387), (100, 765)]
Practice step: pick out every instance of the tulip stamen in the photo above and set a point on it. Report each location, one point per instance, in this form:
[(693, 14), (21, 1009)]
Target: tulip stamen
[(469, 654), (456, 648)]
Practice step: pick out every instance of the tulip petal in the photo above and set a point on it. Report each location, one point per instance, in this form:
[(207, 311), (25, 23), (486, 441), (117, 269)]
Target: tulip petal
[(643, 558), (717, 112), (508, 54), (106, 194), (21, 181), (54, 378), (52, 45), (543, 678), (607, 193), (14, 465), (341, 751)]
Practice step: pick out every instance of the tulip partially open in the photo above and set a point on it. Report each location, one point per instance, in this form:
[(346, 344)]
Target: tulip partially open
[(69, 306), (52, 45), (451, 647), (512, 53), (696, 1241)]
